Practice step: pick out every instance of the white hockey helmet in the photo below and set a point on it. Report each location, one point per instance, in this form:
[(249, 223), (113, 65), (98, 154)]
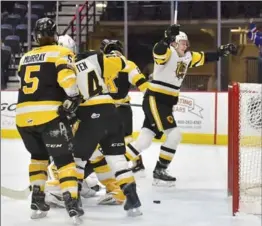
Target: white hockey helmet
[(68, 42), (182, 36)]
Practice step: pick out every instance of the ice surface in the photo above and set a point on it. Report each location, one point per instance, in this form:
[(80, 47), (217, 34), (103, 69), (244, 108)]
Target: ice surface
[(199, 198)]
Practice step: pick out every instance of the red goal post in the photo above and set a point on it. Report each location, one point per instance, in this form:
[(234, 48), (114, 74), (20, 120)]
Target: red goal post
[(245, 147)]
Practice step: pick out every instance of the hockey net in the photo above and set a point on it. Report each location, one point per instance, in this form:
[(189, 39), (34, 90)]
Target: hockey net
[(245, 147)]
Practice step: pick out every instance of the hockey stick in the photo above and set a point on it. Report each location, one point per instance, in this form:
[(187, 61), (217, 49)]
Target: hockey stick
[(16, 194), (176, 12), (128, 104)]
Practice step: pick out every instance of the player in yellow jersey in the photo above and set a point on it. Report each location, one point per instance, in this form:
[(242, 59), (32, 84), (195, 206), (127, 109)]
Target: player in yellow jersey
[(99, 123), (47, 98), (97, 163), (119, 86)]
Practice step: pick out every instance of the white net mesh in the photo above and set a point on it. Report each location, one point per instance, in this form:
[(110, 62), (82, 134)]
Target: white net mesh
[(250, 157)]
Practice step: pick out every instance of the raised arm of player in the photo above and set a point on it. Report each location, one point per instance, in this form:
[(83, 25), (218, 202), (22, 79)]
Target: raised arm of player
[(200, 58), (161, 50)]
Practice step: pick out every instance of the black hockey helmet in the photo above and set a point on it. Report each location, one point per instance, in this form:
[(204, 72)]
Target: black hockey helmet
[(45, 32), (107, 46)]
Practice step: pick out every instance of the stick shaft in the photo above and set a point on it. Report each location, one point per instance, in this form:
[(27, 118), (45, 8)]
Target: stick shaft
[(176, 12)]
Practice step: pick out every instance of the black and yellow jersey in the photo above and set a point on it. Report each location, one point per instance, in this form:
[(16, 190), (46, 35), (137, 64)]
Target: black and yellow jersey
[(46, 79), (119, 84), (97, 75), (170, 70), (118, 74)]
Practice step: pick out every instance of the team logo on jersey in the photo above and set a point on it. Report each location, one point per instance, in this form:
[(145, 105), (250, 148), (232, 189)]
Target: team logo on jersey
[(181, 70), (170, 119)]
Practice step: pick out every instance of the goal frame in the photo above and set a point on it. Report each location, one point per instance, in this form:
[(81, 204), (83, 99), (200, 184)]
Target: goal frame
[(233, 145)]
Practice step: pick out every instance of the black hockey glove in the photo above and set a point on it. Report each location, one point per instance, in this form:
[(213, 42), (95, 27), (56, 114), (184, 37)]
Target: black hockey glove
[(225, 50), (171, 32), (69, 106)]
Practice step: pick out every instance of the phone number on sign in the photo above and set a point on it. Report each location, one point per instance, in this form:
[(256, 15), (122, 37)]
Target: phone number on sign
[(189, 122)]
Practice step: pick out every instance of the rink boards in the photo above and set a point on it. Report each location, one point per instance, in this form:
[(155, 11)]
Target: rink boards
[(201, 116)]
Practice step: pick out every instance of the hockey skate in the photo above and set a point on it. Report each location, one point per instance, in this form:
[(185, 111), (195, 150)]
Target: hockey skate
[(38, 205), (138, 167), (132, 203), (113, 196), (161, 177), (73, 208)]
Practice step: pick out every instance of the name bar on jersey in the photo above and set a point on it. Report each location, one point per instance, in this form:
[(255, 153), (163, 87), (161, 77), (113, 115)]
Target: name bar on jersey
[(38, 58)]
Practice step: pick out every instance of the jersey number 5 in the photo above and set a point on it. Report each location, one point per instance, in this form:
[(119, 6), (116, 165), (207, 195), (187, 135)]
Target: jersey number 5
[(29, 79)]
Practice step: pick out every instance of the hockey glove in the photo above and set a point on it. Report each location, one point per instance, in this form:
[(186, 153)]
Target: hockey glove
[(225, 50), (69, 106), (171, 32)]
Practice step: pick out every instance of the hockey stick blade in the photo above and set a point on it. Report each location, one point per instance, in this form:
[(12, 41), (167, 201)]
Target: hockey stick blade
[(15, 194)]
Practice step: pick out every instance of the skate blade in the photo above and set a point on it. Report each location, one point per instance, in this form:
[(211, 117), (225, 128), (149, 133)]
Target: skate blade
[(76, 220), (38, 214), (162, 183), (134, 212)]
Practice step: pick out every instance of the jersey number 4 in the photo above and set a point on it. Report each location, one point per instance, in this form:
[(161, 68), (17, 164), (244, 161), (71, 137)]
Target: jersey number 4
[(30, 89), (93, 84)]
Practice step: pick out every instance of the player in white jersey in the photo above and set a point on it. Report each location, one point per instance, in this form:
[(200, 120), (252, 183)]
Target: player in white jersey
[(172, 59)]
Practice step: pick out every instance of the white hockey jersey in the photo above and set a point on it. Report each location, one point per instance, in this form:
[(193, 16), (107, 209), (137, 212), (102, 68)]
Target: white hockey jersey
[(169, 73)]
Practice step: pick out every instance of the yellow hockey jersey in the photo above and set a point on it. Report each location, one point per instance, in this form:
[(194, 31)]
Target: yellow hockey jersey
[(46, 80)]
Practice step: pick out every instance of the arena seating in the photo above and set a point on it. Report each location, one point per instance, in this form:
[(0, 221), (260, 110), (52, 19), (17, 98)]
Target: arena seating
[(160, 10)]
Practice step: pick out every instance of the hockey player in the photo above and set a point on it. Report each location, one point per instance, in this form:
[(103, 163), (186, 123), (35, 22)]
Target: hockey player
[(47, 97), (119, 86), (172, 60), (99, 121), (97, 163)]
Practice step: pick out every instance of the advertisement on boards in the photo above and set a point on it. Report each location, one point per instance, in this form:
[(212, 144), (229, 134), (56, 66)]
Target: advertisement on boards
[(8, 107), (195, 112)]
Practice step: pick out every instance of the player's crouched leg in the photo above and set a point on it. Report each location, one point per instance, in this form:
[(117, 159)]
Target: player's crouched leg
[(114, 195), (126, 181), (57, 137)]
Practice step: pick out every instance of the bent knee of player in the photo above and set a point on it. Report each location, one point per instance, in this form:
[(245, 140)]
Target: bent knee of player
[(173, 139), (144, 139)]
